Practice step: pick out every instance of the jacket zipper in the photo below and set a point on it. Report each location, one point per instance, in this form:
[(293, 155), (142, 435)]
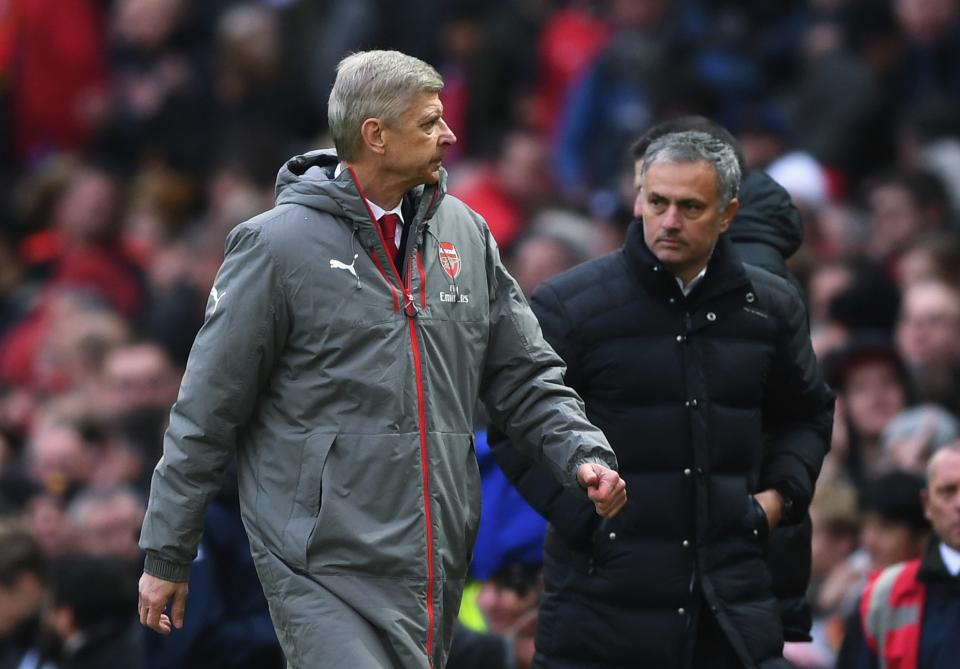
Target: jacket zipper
[(410, 311)]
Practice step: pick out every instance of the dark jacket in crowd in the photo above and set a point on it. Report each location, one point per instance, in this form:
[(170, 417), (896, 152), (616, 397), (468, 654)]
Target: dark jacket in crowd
[(707, 399)]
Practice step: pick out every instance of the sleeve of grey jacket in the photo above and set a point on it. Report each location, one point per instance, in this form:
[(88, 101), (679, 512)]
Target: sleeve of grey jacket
[(798, 411), (231, 359), (522, 385)]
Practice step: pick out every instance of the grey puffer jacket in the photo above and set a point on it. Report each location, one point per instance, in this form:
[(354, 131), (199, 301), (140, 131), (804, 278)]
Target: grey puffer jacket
[(348, 394)]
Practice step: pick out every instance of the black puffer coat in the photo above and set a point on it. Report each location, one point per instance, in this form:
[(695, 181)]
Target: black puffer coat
[(706, 400)]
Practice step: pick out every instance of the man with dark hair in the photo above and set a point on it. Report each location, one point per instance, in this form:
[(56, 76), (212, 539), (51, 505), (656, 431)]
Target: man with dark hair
[(93, 600), (23, 590), (700, 371)]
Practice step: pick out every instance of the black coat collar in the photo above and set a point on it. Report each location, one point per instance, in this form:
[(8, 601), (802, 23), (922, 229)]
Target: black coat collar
[(932, 569), (724, 271)]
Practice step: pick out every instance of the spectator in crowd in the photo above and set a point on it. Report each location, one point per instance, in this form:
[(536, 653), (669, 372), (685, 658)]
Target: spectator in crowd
[(138, 375), (511, 190), (59, 458), (24, 588), (912, 436), (836, 528), (350, 578), (903, 205), (872, 387), (555, 241), (93, 600), (683, 286), (106, 523), (932, 258), (928, 337), (894, 530), (910, 610)]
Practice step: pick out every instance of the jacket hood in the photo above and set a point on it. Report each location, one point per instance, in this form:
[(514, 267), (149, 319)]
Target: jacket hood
[(767, 228), (308, 180)]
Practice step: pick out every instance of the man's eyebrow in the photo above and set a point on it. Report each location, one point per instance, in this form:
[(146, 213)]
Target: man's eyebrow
[(430, 114)]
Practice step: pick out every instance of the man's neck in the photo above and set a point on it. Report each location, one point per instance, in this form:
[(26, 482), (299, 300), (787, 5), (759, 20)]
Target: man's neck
[(379, 187)]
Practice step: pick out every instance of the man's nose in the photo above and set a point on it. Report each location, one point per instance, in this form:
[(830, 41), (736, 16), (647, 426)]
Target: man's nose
[(671, 219), (446, 136)]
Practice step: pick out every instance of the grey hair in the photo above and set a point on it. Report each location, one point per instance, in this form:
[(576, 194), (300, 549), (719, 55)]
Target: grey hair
[(374, 84), (693, 146)]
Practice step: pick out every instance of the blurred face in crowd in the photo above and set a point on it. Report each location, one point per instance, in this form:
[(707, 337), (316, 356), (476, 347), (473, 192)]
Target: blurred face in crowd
[(925, 21), (835, 527), (19, 601), (536, 260), (110, 527), (87, 210), (895, 219), (941, 499), (46, 519), (139, 376), (826, 282), (147, 23), (888, 542), (682, 218), (873, 395), (523, 168), (59, 458), (928, 333), (505, 607), (413, 147)]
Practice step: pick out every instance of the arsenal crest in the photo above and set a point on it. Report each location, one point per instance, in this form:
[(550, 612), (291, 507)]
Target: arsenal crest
[(449, 259)]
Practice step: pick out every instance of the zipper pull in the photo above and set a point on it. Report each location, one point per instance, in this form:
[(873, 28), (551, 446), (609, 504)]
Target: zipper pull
[(410, 308)]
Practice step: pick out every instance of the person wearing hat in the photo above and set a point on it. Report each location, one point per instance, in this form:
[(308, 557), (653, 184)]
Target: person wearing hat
[(872, 387)]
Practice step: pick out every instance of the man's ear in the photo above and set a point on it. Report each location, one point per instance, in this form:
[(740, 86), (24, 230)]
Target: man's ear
[(726, 218), (372, 132)]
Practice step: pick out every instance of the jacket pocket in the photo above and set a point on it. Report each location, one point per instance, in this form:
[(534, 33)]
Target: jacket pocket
[(755, 522), (307, 496)]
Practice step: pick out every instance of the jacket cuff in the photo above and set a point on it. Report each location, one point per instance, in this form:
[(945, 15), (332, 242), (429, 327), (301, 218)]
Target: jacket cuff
[(165, 569)]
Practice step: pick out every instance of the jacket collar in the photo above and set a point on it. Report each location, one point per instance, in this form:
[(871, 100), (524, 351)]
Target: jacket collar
[(724, 270), (932, 569)]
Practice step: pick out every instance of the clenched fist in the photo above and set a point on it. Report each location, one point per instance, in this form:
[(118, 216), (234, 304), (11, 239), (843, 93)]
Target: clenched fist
[(604, 487)]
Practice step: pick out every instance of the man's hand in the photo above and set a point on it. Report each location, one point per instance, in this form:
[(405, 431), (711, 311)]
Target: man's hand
[(155, 594), (772, 504), (604, 487)]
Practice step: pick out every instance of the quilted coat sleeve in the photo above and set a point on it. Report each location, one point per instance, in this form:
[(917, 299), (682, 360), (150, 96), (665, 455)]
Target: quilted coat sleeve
[(231, 359)]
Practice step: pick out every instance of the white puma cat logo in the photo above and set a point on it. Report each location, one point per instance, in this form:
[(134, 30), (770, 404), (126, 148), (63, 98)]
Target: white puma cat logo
[(216, 298), (336, 264)]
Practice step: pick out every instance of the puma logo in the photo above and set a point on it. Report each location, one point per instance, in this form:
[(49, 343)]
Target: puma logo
[(216, 298), (336, 264)]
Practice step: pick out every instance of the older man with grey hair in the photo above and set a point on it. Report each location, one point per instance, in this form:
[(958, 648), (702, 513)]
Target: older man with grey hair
[(347, 336), (699, 370)]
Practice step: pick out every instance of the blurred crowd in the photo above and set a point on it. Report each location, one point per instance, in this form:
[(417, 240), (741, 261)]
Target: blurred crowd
[(134, 134)]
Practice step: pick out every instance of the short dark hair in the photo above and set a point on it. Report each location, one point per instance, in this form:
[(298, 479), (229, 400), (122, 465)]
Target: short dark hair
[(20, 554), (95, 588), (895, 497)]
